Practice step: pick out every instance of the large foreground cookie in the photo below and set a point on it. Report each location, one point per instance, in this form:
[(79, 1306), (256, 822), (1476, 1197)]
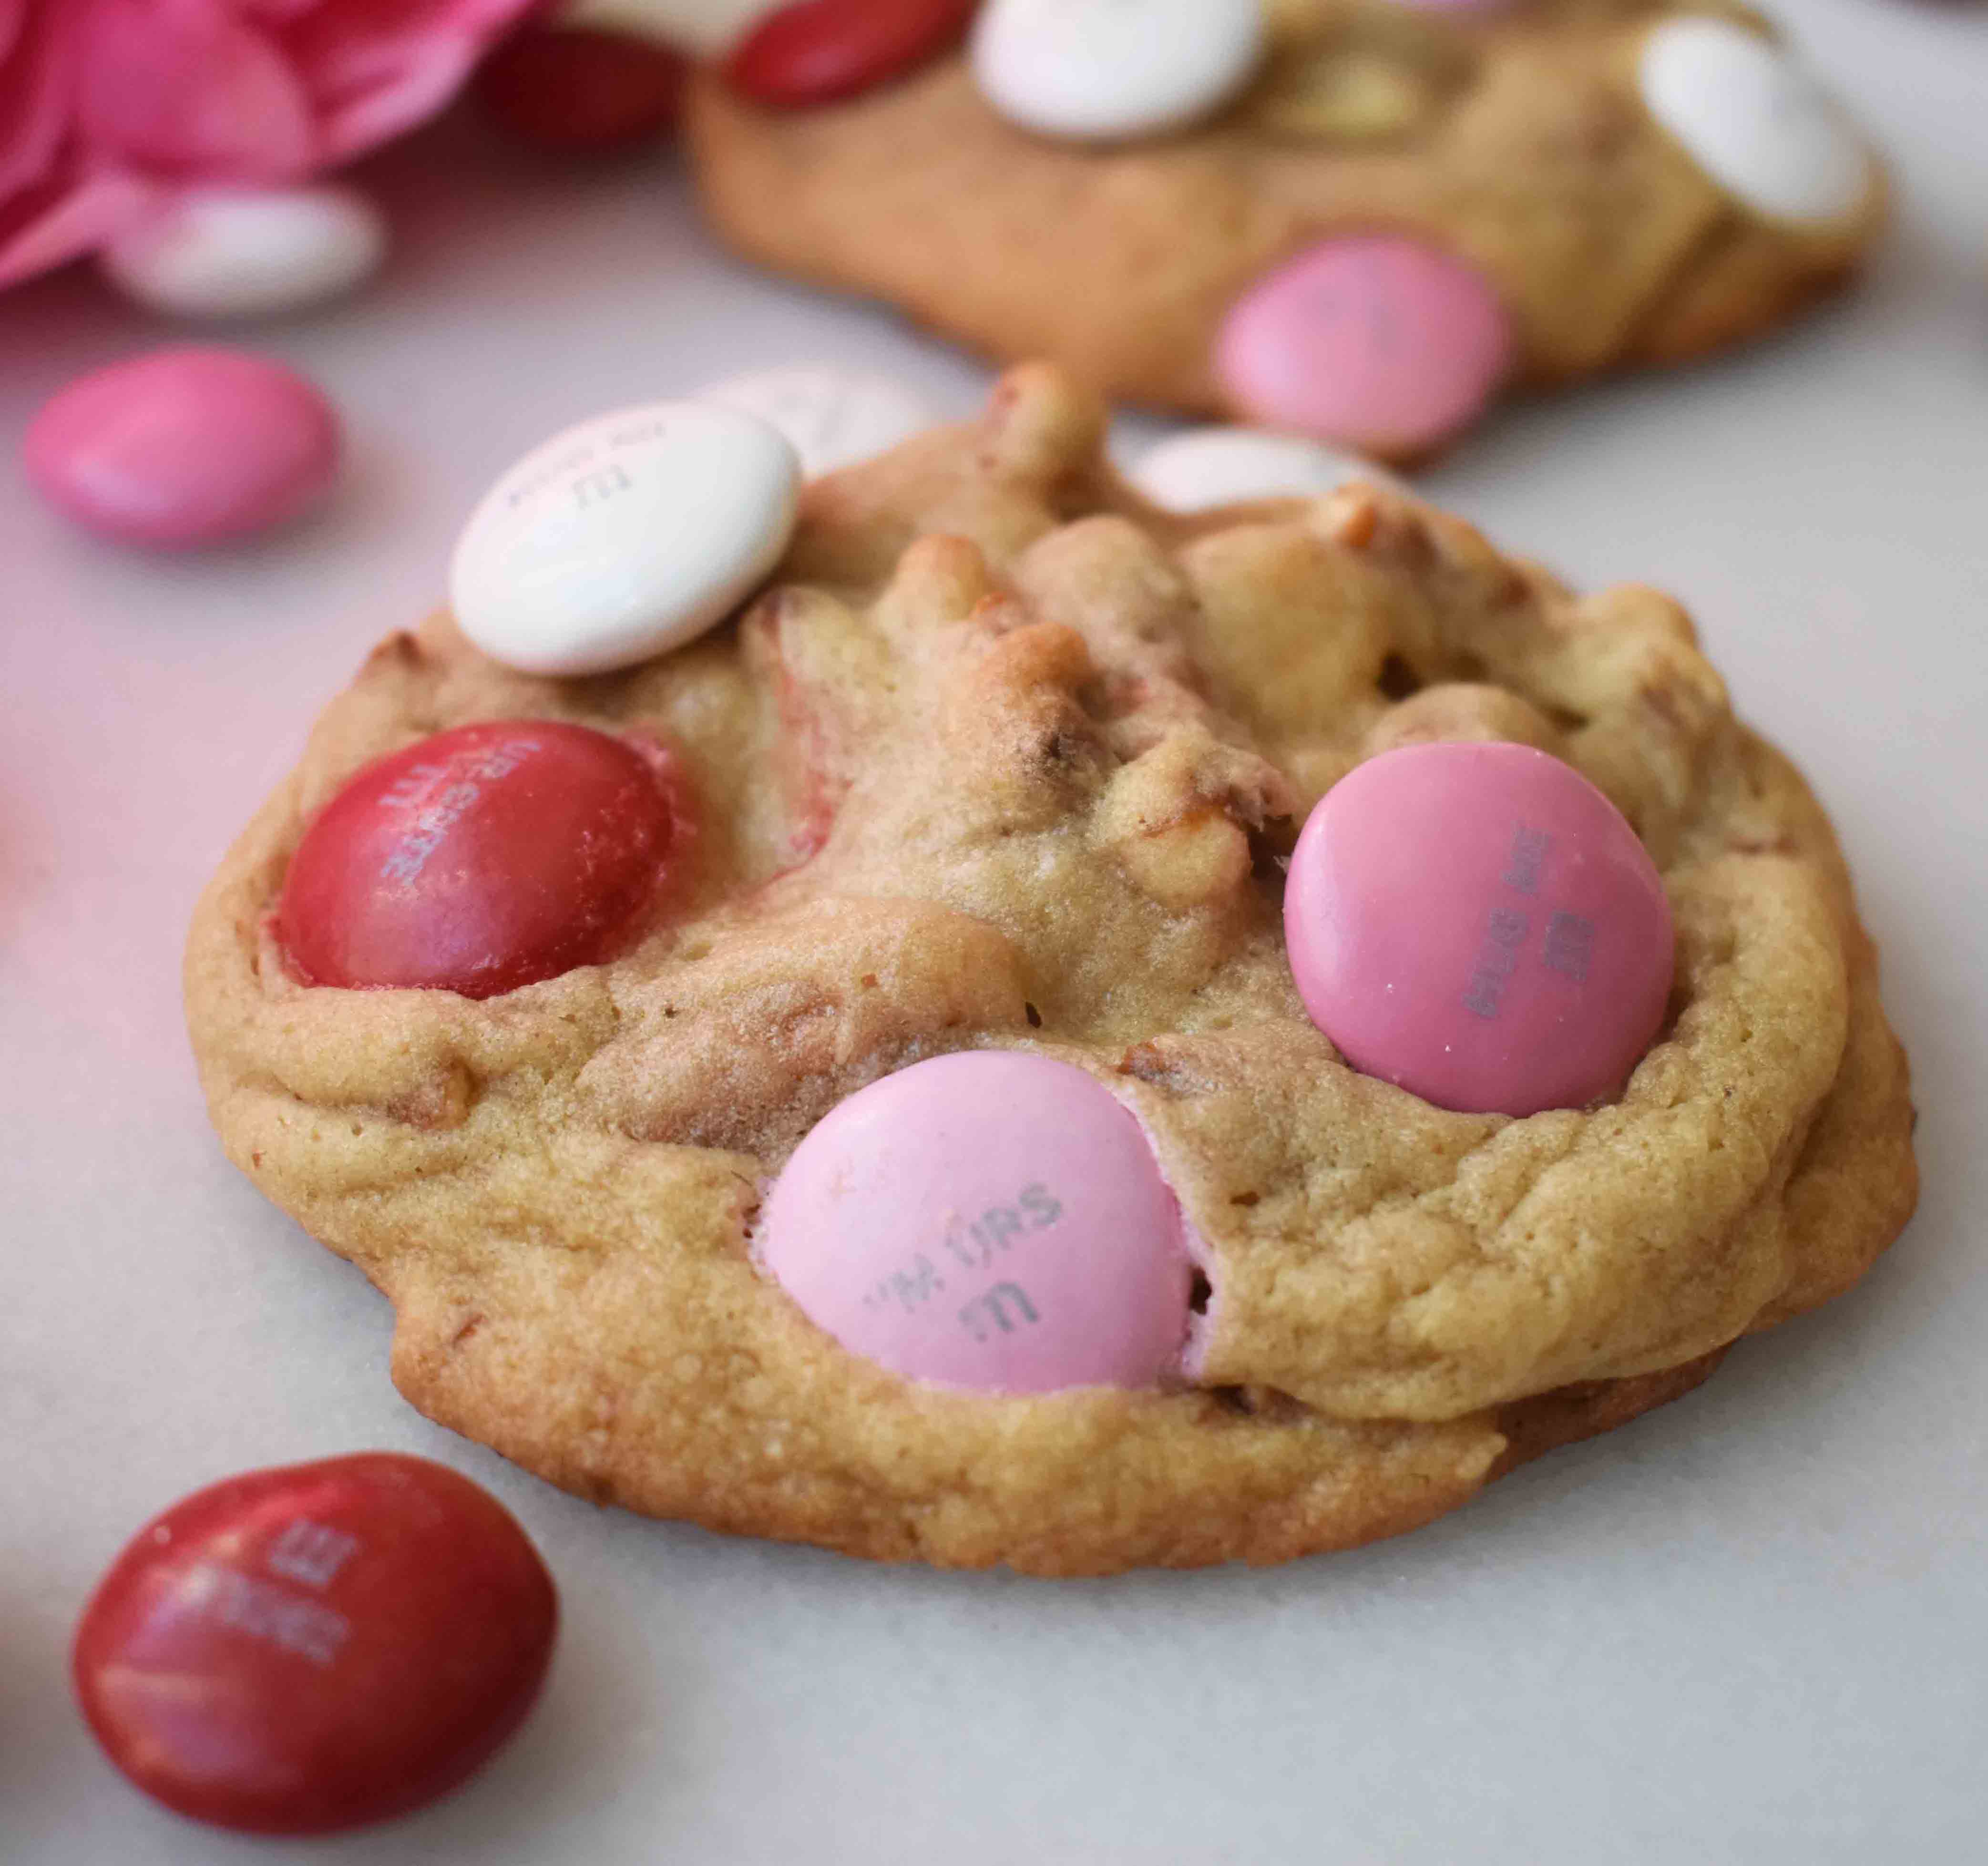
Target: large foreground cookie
[(1406, 210), (1006, 760)]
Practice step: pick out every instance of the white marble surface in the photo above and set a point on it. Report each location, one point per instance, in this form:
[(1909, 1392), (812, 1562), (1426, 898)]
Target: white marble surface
[(1750, 1629)]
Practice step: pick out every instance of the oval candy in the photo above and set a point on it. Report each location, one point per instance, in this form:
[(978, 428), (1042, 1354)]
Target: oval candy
[(1756, 123), (315, 1648), (582, 91), (623, 536), (217, 252), (184, 447), (1207, 467), (989, 1220), (485, 859), (1479, 925), (815, 51), (832, 418), (1102, 70), (1381, 342)]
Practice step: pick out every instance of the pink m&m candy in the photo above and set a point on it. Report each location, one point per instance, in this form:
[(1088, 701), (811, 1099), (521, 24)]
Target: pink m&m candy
[(1381, 342), (485, 859), (302, 1649), (184, 447), (987, 1220), (1479, 924)]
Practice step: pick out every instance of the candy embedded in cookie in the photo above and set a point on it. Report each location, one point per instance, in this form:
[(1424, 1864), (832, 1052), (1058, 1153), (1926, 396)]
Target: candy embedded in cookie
[(1383, 343), (1100, 71), (485, 859), (623, 536), (999, 779), (1477, 924), (574, 90), (816, 52), (1567, 187), (988, 1220), (316, 1647)]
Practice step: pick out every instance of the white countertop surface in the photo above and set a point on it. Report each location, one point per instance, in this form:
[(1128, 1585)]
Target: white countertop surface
[(1752, 1627)]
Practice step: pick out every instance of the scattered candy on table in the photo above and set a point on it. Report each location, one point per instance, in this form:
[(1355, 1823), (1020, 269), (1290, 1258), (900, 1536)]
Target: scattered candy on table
[(1207, 467), (1754, 120), (626, 535), (1479, 924), (485, 859), (582, 91), (315, 1648), (184, 447), (1100, 70), (213, 251), (1378, 342), (832, 416), (990, 1220), (816, 52)]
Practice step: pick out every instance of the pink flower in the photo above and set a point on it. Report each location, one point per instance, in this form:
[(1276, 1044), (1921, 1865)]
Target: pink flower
[(103, 103)]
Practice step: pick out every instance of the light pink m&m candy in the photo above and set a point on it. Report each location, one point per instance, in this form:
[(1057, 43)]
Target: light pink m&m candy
[(1480, 925), (987, 1220), (1380, 342), (184, 447)]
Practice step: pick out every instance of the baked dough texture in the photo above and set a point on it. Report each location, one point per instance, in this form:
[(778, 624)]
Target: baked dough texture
[(1005, 757), (1517, 141)]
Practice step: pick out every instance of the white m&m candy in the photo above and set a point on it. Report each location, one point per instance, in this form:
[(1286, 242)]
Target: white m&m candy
[(1103, 69), (244, 252), (1207, 467), (1758, 125), (833, 418), (623, 536), (989, 1220)]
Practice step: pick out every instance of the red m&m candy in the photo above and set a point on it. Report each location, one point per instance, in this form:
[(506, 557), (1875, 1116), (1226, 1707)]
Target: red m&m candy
[(816, 51), (1479, 924), (485, 859), (302, 1649), (578, 91)]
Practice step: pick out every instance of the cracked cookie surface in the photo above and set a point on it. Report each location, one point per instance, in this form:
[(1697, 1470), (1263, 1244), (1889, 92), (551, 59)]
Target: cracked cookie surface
[(1006, 758), (1520, 143)]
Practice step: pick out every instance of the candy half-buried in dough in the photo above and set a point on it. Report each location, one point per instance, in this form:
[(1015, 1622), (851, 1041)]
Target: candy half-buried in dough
[(1479, 924), (987, 1220), (623, 536), (1386, 344)]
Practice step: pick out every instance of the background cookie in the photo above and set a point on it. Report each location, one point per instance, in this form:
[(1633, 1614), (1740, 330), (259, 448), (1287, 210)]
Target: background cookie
[(1005, 760), (1392, 214)]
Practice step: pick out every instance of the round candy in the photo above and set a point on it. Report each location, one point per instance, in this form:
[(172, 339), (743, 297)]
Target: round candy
[(831, 416), (1207, 467), (816, 51), (581, 91), (625, 535), (485, 859), (1758, 125), (987, 1220), (242, 251), (1378, 342), (1102, 69), (302, 1650), (184, 447), (704, 27), (1479, 924)]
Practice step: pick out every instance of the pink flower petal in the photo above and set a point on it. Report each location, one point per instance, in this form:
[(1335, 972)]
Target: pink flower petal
[(36, 82), (377, 67), (38, 232), (184, 86)]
